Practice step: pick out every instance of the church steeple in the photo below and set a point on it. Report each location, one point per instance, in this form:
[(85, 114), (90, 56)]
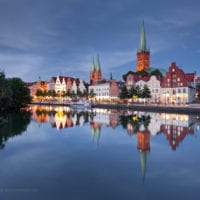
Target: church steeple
[(95, 70), (143, 53), (92, 68), (142, 45), (98, 64)]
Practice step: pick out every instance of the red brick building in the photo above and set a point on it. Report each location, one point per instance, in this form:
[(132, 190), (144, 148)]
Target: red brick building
[(177, 86), (95, 71), (34, 86), (143, 54)]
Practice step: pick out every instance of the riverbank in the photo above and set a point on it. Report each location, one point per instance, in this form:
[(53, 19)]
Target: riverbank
[(185, 109)]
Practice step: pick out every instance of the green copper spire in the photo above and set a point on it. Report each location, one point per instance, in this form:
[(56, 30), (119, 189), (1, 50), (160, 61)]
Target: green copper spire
[(143, 159), (92, 65), (98, 64), (143, 45)]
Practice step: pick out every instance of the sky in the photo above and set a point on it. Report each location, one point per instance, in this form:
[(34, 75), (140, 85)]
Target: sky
[(45, 38)]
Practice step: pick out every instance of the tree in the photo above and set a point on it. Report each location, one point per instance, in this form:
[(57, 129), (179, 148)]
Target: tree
[(146, 93), (123, 92), (17, 124), (156, 72), (132, 92), (68, 93), (52, 93), (142, 73), (39, 93), (91, 93), (85, 93), (5, 93), (124, 76), (79, 93), (138, 91), (44, 93), (20, 93)]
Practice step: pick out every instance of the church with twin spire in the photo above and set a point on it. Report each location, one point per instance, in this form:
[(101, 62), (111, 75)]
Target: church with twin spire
[(95, 71)]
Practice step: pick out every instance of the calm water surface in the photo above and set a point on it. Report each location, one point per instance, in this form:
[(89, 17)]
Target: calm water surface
[(59, 154)]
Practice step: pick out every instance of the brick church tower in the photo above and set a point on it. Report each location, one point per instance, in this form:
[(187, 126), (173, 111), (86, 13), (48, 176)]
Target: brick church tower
[(143, 53), (95, 71)]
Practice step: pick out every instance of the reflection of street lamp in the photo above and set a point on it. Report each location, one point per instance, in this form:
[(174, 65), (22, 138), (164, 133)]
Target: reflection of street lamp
[(165, 96)]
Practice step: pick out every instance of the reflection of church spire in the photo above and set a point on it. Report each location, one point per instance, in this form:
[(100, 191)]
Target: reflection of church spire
[(143, 160), (143, 145), (95, 131)]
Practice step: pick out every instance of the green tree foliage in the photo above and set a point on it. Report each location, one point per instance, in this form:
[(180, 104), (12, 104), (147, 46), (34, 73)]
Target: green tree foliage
[(39, 93), (124, 76), (51, 93), (68, 93), (140, 120), (85, 93), (135, 92), (156, 72), (42, 93), (124, 94), (17, 124), (138, 91), (142, 73), (79, 93), (91, 93), (20, 93), (5, 93), (146, 93)]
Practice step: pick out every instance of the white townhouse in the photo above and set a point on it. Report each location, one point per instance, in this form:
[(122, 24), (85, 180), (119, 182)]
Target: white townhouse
[(74, 87), (60, 85), (101, 90), (153, 84), (63, 84), (82, 86)]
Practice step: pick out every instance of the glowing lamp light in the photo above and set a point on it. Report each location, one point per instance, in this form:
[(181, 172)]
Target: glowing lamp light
[(135, 118)]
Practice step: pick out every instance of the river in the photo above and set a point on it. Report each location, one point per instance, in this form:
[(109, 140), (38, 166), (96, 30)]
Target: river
[(59, 153)]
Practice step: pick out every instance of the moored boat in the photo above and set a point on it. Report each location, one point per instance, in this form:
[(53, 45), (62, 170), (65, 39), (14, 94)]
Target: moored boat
[(80, 104)]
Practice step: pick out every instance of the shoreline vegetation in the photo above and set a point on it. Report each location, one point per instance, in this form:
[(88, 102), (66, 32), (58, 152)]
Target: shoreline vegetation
[(14, 95), (185, 109)]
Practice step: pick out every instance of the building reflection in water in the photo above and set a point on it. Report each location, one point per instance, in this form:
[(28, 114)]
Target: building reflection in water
[(144, 125), (174, 126)]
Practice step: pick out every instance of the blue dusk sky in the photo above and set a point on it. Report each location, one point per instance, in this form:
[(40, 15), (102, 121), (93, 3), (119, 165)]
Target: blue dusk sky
[(45, 38)]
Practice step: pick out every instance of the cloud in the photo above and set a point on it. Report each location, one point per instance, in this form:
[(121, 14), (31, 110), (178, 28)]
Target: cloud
[(62, 36), (21, 65)]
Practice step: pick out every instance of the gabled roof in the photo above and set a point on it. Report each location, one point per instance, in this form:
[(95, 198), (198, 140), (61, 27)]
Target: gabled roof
[(67, 78), (190, 77), (53, 79), (29, 84)]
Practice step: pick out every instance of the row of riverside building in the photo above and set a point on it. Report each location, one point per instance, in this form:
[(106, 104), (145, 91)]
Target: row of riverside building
[(173, 87)]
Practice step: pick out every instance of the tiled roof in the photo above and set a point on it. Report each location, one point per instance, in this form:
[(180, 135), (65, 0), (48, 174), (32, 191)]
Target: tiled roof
[(66, 78), (190, 77), (29, 84)]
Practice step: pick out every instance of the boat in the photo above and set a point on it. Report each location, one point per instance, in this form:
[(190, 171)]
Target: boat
[(80, 104)]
